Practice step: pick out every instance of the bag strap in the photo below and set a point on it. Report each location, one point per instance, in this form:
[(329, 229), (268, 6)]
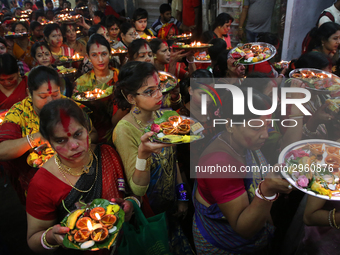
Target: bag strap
[(325, 13)]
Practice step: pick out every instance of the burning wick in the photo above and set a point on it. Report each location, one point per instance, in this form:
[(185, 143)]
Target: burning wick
[(89, 225), (97, 216)]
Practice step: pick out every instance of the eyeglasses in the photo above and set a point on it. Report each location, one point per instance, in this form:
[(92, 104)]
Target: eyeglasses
[(132, 34), (151, 92)]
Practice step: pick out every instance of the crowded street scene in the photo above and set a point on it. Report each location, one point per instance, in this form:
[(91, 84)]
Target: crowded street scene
[(158, 127)]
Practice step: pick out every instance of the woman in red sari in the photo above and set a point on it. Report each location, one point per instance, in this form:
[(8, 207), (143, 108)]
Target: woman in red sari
[(12, 86), (78, 171)]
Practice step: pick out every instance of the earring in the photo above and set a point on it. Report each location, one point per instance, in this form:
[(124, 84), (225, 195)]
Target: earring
[(136, 110)]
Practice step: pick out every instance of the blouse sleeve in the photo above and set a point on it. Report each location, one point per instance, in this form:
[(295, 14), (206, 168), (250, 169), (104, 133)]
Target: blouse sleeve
[(126, 139)]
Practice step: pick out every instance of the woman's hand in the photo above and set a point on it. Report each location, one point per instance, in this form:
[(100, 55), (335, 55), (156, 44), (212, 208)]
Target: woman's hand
[(57, 233), (125, 205), (146, 148), (275, 184), (176, 56), (39, 139), (321, 116), (182, 209)]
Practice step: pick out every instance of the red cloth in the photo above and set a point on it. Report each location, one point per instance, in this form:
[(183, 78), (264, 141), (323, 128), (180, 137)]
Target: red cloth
[(264, 67), (46, 191), (110, 11), (17, 95), (188, 12), (219, 190), (180, 71)]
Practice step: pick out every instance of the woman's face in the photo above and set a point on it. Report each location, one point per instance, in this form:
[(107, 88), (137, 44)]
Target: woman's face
[(17, 13), (99, 56), (3, 49), (43, 56), (252, 138), (103, 31), (196, 95), (9, 81), (55, 39), (163, 54), (144, 54), (96, 20), (225, 28), (41, 19), (235, 71), (333, 42), (46, 93), (20, 29), (114, 31), (171, 33), (129, 36), (141, 24), (71, 34), (70, 140), (149, 96)]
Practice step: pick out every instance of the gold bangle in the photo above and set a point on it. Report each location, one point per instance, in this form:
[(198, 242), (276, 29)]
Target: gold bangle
[(334, 222), (46, 243)]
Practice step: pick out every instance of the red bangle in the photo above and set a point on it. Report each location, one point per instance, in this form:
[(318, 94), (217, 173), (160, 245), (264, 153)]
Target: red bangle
[(266, 198)]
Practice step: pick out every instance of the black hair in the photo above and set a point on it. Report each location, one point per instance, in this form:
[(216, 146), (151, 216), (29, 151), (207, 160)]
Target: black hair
[(164, 8), (207, 36), (313, 59), (199, 74), (3, 41), (155, 44), (93, 29), (39, 4), (39, 14), (134, 47), (221, 19), (49, 28), (40, 75), (64, 28), (260, 102), (49, 11), (28, 2), (52, 113), (221, 67), (34, 24), (124, 28), (141, 14), (268, 37), (219, 45), (131, 77), (111, 20), (48, 1), (20, 23), (322, 34), (37, 45), (8, 64), (260, 84), (99, 14), (97, 39)]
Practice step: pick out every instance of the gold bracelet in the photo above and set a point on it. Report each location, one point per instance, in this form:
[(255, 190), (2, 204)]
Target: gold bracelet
[(178, 100), (134, 199), (334, 222), (46, 243)]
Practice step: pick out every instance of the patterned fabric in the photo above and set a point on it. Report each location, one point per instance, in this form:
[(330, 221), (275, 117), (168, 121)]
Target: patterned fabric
[(88, 81), (145, 35), (219, 233), (24, 56), (164, 31), (156, 26)]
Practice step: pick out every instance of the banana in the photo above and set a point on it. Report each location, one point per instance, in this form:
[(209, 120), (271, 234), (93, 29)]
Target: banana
[(112, 209), (71, 220)]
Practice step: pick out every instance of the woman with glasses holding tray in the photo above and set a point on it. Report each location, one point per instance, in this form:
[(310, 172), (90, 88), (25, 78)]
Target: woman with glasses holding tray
[(152, 170)]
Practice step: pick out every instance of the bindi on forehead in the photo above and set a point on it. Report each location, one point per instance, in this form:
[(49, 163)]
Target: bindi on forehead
[(42, 49), (165, 43), (97, 45), (49, 89), (145, 46), (70, 27)]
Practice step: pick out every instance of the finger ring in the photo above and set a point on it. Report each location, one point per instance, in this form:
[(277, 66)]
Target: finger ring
[(290, 186)]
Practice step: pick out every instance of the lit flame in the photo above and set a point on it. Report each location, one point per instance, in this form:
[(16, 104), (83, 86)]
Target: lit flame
[(97, 216), (89, 225), (198, 44)]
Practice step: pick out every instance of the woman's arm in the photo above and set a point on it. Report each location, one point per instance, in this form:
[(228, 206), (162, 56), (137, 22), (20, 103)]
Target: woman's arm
[(11, 149), (315, 215), (35, 230), (248, 219)]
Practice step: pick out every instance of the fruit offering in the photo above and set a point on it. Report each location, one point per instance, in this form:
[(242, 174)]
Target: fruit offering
[(39, 156), (93, 94), (93, 227)]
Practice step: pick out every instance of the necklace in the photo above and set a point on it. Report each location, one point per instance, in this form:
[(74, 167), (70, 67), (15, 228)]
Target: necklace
[(62, 172), (139, 122), (68, 170), (104, 79), (242, 156)]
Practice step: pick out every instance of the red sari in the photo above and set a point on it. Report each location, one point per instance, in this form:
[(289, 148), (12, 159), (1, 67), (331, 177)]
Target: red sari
[(18, 94)]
